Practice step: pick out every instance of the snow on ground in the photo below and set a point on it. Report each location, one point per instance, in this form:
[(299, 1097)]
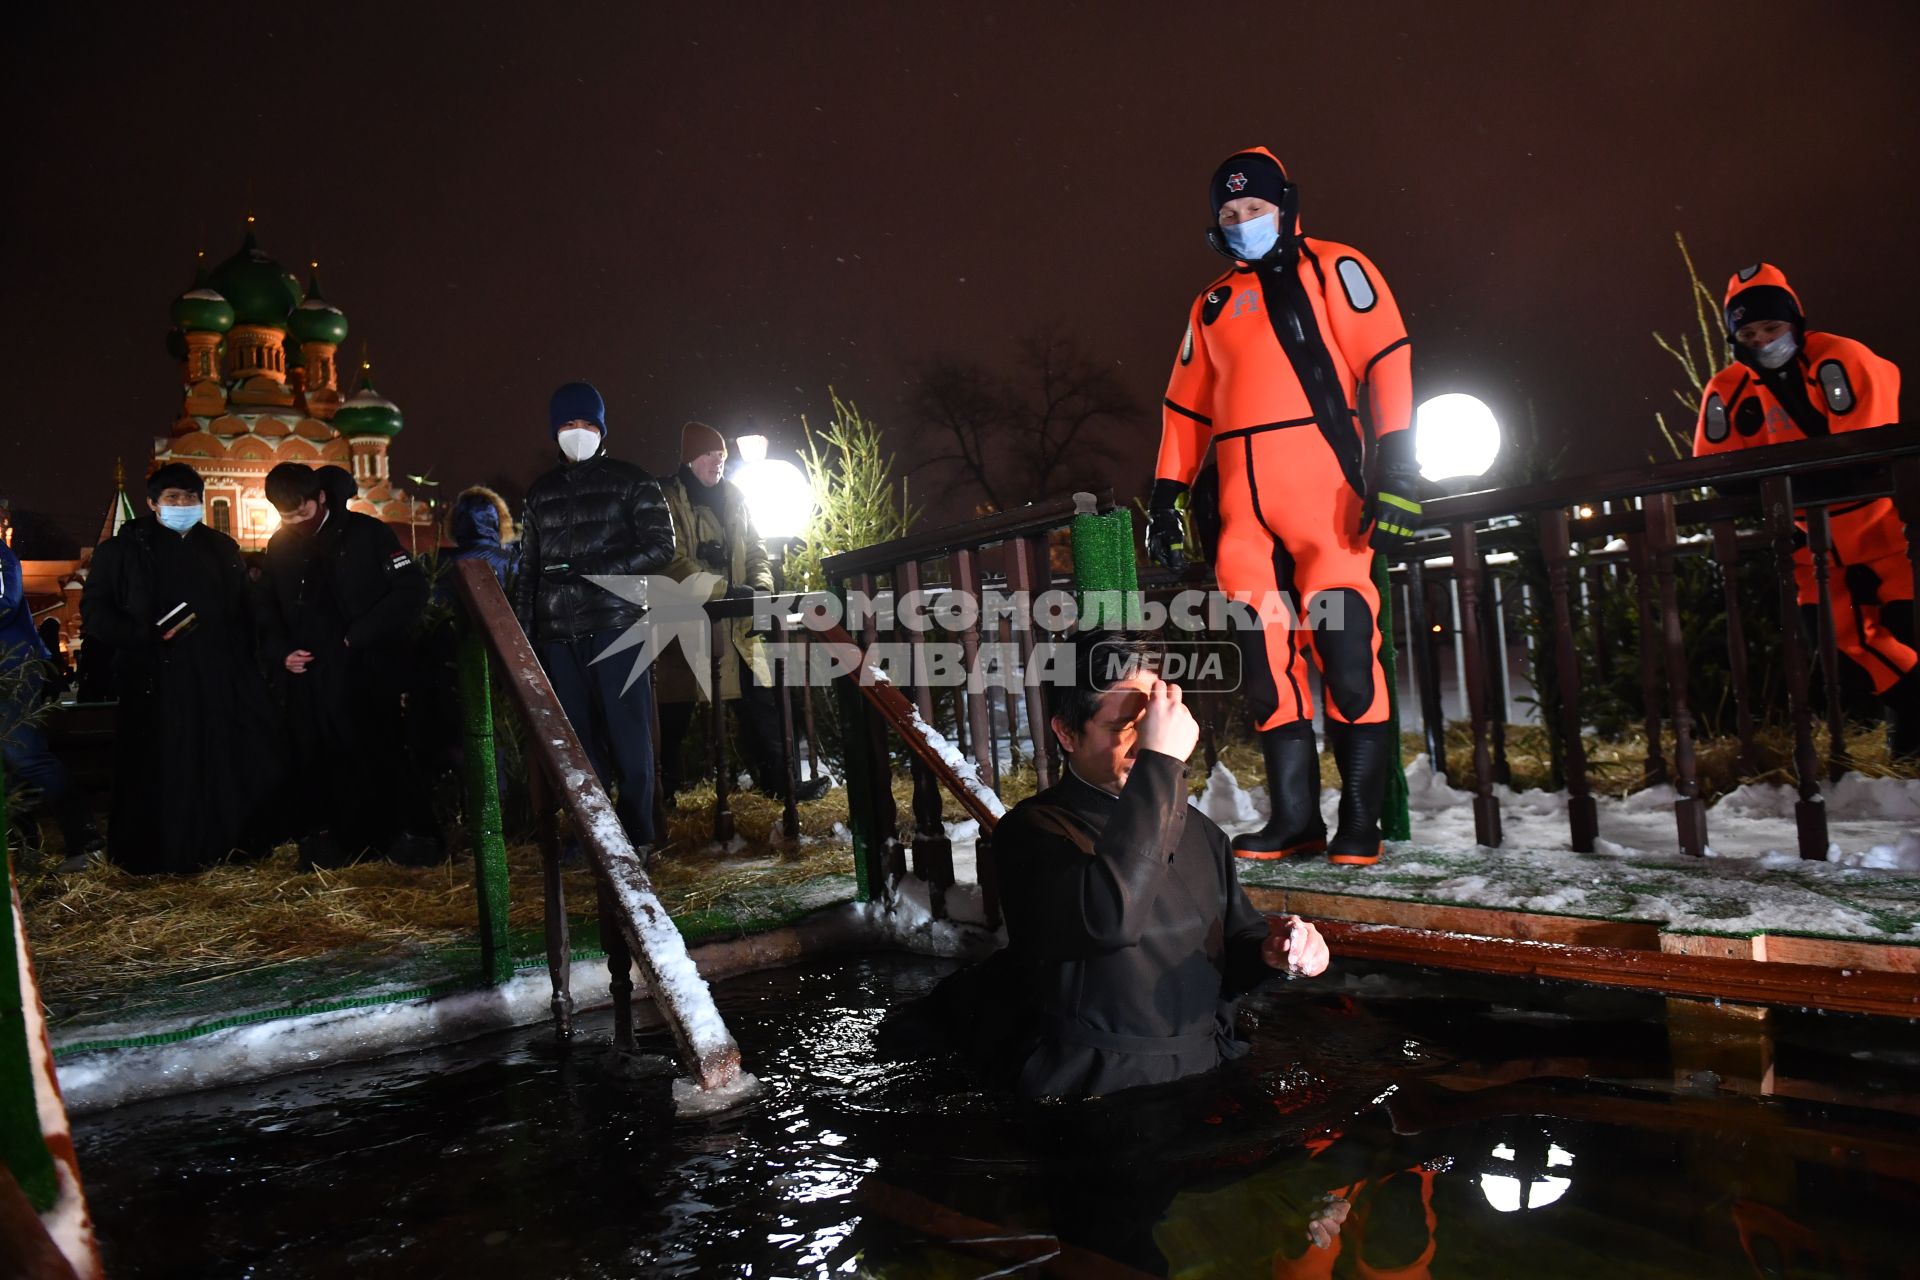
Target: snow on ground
[(1752, 881)]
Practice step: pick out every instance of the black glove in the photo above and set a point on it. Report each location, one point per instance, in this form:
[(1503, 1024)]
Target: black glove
[(1166, 527), (742, 592), (1396, 494), (710, 553)]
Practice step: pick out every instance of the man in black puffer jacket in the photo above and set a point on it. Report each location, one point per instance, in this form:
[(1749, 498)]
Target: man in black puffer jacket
[(594, 516), (337, 603)]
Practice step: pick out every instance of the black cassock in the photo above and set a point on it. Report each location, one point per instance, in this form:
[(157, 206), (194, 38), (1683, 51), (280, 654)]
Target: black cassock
[(1129, 937), (195, 749)]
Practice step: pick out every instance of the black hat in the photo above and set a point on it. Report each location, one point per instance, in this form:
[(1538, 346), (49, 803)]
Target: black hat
[(174, 475), (1761, 302), (1247, 174)]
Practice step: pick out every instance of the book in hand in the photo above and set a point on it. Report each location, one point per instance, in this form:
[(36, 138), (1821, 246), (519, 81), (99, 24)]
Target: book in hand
[(177, 621)]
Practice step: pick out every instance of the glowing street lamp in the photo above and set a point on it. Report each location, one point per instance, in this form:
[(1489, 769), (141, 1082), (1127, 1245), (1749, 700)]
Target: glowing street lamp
[(1456, 437), (778, 496)]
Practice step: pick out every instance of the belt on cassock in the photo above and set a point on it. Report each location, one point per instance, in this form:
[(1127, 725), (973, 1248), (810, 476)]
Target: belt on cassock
[(1075, 1032)]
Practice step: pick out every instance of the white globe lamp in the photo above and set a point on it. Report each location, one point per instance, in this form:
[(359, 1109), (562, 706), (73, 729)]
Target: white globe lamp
[(1455, 437), (778, 496)]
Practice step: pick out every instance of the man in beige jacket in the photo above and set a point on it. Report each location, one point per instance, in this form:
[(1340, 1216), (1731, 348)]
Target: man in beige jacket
[(713, 533)]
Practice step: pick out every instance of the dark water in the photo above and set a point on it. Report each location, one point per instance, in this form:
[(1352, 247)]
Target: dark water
[(1478, 1129)]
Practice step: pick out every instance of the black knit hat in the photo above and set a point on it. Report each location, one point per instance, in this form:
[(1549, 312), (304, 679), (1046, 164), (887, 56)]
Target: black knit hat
[(174, 475), (1247, 174), (1761, 302)]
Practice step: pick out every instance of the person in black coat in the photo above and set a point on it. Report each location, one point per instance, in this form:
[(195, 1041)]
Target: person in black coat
[(194, 748), (1129, 938), (594, 516), (339, 600)]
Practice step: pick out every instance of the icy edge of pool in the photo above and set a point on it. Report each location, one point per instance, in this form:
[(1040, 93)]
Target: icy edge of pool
[(107, 1078)]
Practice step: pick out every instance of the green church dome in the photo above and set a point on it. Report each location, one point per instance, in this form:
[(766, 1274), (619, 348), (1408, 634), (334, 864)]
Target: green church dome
[(202, 310), (316, 319), (260, 290), (367, 413)]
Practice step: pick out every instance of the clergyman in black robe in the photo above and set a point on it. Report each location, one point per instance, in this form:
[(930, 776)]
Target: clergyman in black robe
[(1129, 938), (194, 748)]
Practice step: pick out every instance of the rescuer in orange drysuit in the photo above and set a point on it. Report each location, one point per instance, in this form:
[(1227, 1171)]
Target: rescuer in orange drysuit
[(1790, 384), (1296, 368)]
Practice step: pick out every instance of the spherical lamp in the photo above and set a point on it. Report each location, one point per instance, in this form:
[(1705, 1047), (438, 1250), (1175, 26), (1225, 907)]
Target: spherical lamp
[(1455, 437)]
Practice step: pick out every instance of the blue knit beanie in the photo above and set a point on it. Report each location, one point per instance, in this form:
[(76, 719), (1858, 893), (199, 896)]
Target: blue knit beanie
[(577, 401)]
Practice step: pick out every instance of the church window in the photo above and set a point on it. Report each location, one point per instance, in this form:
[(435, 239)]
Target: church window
[(222, 515)]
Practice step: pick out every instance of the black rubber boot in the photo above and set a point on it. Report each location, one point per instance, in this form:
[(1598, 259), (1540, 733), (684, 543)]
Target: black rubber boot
[(1293, 789), (1363, 752)]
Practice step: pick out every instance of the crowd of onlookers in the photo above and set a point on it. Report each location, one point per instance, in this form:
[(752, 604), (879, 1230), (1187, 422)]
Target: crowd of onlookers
[(305, 693)]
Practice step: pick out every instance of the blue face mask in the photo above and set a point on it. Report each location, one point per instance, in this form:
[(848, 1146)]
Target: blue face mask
[(181, 519), (1253, 240)]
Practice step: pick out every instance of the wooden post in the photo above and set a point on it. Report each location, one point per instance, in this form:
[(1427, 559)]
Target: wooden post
[(806, 706), (483, 807), (932, 850), (1426, 659), (966, 577), (870, 808), (1810, 811), (1556, 545), (553, 890), (1597, 611), (782, 672), (1466, 572), (1029, 577), (1650, 681), (717, 734), (1726, 554), (1820, 547), (1690, 811), (705, 1048), (1495, 639), (619, 971)]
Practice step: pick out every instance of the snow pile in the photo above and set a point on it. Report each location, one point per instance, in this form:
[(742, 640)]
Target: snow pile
[(1227, 803), (689, 1099)]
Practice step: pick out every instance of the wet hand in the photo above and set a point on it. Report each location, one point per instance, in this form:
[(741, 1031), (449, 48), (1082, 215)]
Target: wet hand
[(1300, 950), (1166, 725), (1323, 1225), (297, 661)]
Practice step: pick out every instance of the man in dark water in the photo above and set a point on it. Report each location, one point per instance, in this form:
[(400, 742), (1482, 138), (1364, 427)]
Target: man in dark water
[(1129, 938)]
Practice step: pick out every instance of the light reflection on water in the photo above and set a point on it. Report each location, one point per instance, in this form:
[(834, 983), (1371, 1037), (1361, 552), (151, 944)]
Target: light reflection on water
[(1489, 1156)]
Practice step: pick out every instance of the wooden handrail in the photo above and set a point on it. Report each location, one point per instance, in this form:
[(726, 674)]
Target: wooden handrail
[(1001, 526), (1877, 444), (1708, 977), (705, 1047)]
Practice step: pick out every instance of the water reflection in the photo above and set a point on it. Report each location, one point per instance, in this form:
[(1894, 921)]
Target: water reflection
[(1460, 1139)]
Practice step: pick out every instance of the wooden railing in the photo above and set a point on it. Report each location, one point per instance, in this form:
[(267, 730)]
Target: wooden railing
[(1648, 513), (634, 927)]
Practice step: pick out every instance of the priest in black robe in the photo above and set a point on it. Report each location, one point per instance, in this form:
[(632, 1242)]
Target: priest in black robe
[(1129, 938), (194, 748)]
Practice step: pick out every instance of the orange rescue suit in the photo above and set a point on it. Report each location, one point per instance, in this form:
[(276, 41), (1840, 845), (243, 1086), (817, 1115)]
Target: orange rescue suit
[(1832, 384), (1293, 371)]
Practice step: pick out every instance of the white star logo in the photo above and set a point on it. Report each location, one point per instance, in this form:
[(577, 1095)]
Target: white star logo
[(675, 611)]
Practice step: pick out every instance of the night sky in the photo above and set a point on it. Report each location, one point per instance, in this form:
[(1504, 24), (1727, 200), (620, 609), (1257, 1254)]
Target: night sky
[(718, 211)]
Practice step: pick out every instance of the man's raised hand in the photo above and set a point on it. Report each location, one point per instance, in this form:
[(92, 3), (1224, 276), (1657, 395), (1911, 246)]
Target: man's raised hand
[(1166, 725)]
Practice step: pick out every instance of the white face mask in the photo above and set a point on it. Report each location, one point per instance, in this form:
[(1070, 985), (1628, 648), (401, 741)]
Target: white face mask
[(1776, 353), (579, 443), (1253, 240)]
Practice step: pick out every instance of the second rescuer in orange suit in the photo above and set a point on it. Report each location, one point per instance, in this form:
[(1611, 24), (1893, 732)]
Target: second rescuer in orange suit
[(1295, 369), (1790, 384)]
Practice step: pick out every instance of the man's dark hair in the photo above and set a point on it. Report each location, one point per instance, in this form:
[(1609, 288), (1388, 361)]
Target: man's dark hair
[(175, 475), (1100, 657), (292, 484)]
